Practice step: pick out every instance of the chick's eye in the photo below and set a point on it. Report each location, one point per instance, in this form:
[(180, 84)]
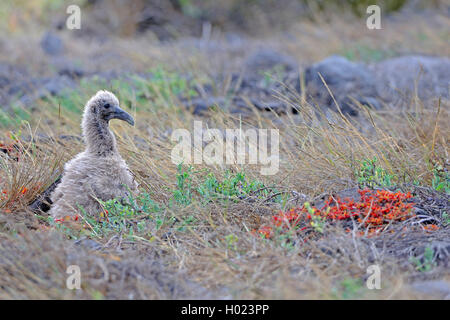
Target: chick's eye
[(106, 106)]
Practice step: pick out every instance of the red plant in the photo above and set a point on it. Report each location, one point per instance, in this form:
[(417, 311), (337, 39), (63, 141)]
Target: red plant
[(374, 211), (13, 150), (430, 227), (4, 194), (67, 218), (13, 197)]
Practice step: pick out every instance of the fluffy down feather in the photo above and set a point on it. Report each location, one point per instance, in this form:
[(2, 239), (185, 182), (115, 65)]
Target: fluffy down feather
[(99, 172)]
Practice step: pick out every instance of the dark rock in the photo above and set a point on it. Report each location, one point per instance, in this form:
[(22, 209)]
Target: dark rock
[(52, 44), (89, 244), (72, 71), (438, 288), (351, 193), (344, 79), (338, 71), (7, 72), (349, 105), (235, 39), (269, 60), (199, 106), (239, 105), (11, 78), (396, 78), (250, 90), (274, 105), (55, 85), (28, 90), (66, 137), (370, 102)]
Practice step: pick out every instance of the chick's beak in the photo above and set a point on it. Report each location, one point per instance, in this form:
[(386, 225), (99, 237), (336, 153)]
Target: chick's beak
[(120, 114)]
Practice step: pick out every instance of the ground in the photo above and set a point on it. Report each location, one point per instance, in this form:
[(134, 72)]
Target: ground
[(227, 231)]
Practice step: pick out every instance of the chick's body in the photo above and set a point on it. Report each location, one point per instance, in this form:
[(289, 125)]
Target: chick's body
[(85, 180), (99, 172)]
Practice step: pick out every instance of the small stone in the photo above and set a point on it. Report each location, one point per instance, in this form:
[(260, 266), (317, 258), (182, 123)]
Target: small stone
[(344, 79), (438, 288), (52, 44), (269, 60), (397, 78)]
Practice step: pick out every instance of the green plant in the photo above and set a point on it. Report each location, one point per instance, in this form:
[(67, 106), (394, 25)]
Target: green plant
[(117, 216), (233, 186), (126, 216), (188, 221), (362, 52), (14, 118), (371, 175), (348, 288), (441, 180), (427, 262), (231, 241), (167, 84), (272, 75), (64, 229), (161, 87), (189, 9), (183, 193), (358, 7), (147, 204), (317, 222), (446, 219)]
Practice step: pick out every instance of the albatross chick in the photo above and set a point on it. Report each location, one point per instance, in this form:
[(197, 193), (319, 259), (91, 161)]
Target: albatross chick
[(99, 172)]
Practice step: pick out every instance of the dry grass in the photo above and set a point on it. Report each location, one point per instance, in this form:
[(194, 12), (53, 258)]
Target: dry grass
[(318, 154)]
